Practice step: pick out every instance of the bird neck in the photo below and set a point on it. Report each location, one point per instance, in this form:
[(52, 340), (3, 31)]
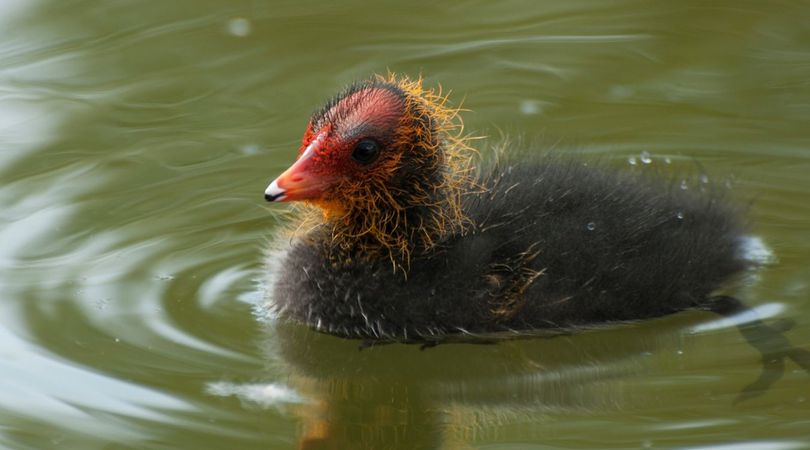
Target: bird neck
[(404, 218)]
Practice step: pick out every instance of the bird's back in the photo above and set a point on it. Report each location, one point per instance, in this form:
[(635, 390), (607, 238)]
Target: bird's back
[(609, 245)]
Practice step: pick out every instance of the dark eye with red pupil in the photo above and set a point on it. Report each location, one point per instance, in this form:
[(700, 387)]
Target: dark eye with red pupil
[(366, 151)]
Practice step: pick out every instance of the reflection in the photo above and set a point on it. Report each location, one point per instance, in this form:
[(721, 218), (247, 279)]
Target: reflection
[(399, 396), (767, 339)]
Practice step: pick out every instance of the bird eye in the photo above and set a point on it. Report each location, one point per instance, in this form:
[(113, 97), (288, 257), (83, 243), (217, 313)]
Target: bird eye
[(366, 151)]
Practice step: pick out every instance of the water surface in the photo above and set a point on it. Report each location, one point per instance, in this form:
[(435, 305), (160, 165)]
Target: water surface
[(136, 139)]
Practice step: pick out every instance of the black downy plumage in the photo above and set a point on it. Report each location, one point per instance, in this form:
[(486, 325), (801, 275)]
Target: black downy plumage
[(545, 241)]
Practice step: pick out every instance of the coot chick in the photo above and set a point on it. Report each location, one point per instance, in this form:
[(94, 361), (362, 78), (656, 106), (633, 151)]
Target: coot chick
[(404, 239)]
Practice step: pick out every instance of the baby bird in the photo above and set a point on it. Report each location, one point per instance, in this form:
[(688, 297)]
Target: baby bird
[(403, 238)]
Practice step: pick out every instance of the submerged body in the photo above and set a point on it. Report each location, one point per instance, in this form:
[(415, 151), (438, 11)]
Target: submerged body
[(548, 242)]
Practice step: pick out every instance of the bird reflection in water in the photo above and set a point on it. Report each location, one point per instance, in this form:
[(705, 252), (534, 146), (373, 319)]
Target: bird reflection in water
[(401, 396)]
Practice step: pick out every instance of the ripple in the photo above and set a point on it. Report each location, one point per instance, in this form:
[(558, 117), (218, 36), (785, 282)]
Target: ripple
[(46, 388), (262, 395), (759, 312)]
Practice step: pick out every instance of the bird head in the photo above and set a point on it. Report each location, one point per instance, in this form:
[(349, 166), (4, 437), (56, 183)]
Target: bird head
[(381, 160)]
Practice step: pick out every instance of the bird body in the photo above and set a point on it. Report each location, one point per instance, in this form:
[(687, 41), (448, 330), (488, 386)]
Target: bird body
[(412, 242)]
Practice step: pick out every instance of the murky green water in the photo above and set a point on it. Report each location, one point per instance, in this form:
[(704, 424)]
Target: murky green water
[(136, 139)]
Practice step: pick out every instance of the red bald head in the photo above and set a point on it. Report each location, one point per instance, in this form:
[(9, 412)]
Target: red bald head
[(387, 163), (351, 139)]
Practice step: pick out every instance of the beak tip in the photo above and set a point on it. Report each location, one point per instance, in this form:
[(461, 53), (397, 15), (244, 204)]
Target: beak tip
[(274, 193), (275, 198)]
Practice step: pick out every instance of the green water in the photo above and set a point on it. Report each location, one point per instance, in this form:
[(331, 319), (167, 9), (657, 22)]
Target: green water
[(136, 140)]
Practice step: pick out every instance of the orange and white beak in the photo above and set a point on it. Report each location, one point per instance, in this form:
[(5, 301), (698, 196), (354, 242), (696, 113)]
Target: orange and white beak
[(301, 181)]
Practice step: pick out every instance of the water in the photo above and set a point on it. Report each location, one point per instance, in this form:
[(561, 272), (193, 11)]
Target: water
[(136, 140)]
